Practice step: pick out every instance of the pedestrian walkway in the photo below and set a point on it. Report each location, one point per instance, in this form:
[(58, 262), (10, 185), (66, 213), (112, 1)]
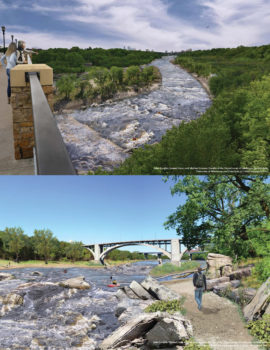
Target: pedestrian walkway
[(8, 164)]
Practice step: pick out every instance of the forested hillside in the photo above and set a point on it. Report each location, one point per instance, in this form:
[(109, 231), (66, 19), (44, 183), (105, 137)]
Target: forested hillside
[(77, 60), (234, 132)]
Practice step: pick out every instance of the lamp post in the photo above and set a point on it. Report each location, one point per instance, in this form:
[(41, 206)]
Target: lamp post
[(12, 36), (4, 44), (16, 41)]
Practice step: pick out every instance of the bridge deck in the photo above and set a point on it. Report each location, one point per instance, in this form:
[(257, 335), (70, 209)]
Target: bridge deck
[(149, 241), (8, 164)]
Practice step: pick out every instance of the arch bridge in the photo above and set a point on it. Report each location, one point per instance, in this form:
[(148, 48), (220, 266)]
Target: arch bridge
[(169, 247)]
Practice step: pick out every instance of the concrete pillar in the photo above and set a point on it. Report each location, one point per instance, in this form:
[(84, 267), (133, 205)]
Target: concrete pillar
[(21, 103), (175, 252), (97, 252)]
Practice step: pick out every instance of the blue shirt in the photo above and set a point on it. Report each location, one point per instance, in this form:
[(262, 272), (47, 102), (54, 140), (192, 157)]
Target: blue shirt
[(11, 61)]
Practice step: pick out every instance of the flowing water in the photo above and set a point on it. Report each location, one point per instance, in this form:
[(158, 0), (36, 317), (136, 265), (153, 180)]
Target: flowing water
[(43, 315), (104, 136)]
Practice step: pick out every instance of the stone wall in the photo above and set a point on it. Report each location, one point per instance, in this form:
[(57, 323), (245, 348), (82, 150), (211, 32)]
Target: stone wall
[(21, 103)]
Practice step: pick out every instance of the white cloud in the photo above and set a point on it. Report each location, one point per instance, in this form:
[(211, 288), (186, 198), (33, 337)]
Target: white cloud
[(149, 25)]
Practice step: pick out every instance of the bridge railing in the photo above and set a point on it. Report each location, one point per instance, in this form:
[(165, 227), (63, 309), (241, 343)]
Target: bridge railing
[(51, 156), (34, 123)]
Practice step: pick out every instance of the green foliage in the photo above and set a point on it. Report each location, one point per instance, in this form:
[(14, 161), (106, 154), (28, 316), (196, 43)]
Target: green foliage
[(263, 268), (76, 60), (169, 268), (133, 75), (44, 243), (66, 85), (220, 210), (117, 255), (261, 330), (75, 251), (234, 130), (192, 345), (171, 306), (16, 240)]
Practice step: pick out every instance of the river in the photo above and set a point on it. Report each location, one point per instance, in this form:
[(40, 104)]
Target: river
[(105, 135), (53, 317)]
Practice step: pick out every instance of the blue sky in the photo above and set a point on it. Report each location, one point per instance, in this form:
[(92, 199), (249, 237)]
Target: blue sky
[(148, 24), (91, 209)]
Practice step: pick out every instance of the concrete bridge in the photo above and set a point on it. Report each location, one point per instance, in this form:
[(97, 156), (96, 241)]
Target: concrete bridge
[(101, 250)]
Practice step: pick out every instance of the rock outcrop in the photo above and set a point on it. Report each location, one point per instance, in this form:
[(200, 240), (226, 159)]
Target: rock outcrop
[(76, 282), (139, 290), (9, 302), (260, 304), (158, 291), (218, 265), (150, 330), (210, 284), (6, 276)]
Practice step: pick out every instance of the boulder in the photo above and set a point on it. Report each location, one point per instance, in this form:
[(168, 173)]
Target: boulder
[(76, 282), (169, 331), (36, 273), (140, 291), (259, 304), (222, 287), (10, 302), (249, 293), (6, 276), (238, 274), (150, 330), (235, 283), (159, 291), (130, 293), (210, 284), (218, 265), (120, 295)]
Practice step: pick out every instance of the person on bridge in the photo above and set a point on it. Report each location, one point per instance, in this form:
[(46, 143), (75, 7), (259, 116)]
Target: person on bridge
[(22, 52), (199, 282), (9, 61)]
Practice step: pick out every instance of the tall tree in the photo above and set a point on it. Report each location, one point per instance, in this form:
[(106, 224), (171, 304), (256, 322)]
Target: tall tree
[(44, 243), (220, 209), (16, 240), (74, 250)]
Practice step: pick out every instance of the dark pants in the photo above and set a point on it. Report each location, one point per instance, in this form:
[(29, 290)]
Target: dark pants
[(198, 296), (8, 88)]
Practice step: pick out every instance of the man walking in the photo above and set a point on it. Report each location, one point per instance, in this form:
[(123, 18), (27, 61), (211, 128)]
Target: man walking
[(199, 282)]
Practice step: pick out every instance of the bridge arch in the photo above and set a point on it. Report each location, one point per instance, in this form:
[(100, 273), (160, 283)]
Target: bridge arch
[(110, 249)]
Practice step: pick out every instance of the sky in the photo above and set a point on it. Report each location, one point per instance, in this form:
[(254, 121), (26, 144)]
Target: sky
[(91, 209), (160, 25)]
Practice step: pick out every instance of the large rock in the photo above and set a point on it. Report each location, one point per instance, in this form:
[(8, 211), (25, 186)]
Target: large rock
[(222, 288), (259, 304), (238, 274), (130, 293), (140, 291), (218, 265), (210, 284), (6, 276), (159, 291), (10, 302), (153, 328), (169, 331), (76, 282)]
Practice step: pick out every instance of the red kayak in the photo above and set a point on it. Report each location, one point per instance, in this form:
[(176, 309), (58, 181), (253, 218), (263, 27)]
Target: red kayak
[(113, 285)]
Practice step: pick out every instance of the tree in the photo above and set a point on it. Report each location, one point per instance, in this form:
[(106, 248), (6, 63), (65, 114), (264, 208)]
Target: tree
[(66, 85), (44, 243), (220, 209), (74, 251), (16, 240)]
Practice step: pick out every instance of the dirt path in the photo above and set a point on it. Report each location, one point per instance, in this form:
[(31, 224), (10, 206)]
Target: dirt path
[(218, 323)]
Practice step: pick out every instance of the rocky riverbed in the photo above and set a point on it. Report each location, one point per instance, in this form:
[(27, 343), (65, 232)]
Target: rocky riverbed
[(104, 136), (38, 312)]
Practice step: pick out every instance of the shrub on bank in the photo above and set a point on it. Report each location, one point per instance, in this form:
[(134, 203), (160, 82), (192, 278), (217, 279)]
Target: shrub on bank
[(192, 345), (261, 330), (168, 268), (171, 306)]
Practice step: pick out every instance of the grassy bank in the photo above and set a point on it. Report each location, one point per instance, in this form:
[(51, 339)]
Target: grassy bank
[(168, 268), (7, 264)]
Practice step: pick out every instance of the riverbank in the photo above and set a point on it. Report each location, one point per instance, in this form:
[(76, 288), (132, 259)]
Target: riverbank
[(219, 323), (169, 269), (7, 264)]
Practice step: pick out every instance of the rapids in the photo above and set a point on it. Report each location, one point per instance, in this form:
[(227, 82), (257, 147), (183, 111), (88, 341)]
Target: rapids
[(104, 136)]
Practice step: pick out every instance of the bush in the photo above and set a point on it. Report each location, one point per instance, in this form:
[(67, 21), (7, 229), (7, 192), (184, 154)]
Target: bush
[(192, 345), (261, 330), (171, 306), (66, 85), (169, 268), (262, 269)]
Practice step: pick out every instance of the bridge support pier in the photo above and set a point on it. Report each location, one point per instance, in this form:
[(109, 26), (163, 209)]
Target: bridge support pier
[(175, 252)]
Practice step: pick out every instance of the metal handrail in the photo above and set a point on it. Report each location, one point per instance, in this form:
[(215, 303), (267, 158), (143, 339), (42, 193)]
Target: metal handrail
[(52, 157)]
